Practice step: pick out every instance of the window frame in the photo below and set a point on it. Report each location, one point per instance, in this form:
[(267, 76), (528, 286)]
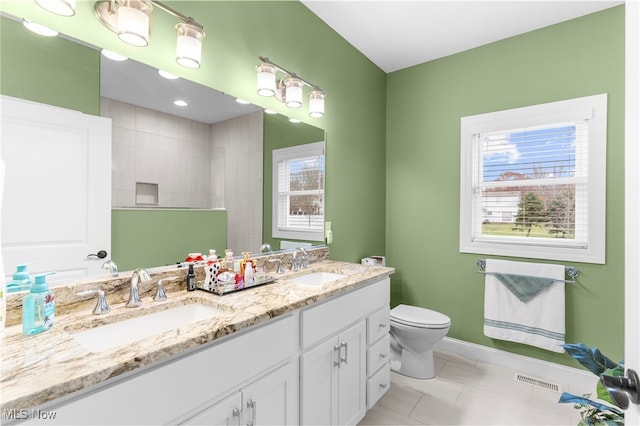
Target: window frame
[(591, 108), (292, 153)]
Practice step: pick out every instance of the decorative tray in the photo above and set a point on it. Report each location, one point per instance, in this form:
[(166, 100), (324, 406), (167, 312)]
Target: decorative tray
[(225, 288)]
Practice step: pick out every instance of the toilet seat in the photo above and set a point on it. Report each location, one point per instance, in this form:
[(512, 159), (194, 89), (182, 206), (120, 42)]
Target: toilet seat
[(414, 316)]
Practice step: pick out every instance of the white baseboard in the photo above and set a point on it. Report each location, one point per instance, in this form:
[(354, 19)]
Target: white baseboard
[(571, 379)]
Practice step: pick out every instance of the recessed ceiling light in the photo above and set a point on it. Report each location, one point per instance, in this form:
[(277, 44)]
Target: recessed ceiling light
[(270, 111), (242, 101), (180, 103), (39, 28), (293, 120), (110, 54), (167, 75)]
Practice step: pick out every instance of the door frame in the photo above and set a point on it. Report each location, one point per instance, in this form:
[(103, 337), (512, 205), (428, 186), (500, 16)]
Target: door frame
[(632, 196)]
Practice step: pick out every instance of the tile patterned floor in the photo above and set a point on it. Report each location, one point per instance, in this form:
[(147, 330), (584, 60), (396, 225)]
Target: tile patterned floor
[(466, 392)]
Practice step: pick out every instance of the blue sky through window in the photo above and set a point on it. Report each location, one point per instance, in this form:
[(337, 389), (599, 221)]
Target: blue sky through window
[(530, 154)]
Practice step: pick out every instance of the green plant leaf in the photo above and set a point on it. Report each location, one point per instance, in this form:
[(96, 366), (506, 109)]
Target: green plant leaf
[(574, 399), (591, 358)]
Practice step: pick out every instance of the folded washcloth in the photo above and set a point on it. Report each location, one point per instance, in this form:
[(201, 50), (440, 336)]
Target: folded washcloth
[(524, 287)]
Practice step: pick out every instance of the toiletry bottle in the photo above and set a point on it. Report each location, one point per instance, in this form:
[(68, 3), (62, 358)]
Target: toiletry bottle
[(21, 279), (191, 278), (248, 273), (38, 307), (245, 259), (212, 256)]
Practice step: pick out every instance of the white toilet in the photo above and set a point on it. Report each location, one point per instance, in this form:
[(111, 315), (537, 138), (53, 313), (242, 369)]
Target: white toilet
[(414, 331)]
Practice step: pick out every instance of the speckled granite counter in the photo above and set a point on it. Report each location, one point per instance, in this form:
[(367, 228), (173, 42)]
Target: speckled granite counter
[(38, 369)]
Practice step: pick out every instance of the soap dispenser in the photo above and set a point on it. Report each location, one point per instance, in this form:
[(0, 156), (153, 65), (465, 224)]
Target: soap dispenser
[(38, 307), (21, 279)]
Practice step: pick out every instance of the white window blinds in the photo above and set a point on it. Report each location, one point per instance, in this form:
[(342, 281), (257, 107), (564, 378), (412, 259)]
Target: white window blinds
[(298, 196), (532, 181)]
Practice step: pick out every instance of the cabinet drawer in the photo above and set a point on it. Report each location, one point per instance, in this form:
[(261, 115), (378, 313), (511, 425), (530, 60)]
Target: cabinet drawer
[(378, 355), (377, 385), (377, 325), (323, 320)]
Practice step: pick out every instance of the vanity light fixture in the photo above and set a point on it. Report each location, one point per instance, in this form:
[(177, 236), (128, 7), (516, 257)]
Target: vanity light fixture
[(58, 7), (39, 28), (130, 20), (288, 88)]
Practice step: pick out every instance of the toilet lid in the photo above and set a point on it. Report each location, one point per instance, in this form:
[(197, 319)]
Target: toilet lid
[(419, 317)]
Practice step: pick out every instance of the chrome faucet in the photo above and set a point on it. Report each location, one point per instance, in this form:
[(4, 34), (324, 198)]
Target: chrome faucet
[(102, 307), (267, 247), (110, 266), (302, 263), (160, 294), (134, 294), (279, 266)]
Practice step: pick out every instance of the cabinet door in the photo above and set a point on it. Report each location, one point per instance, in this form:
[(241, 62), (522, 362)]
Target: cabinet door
[(272, 400), (226, 412), (352, 398), (319, 384)]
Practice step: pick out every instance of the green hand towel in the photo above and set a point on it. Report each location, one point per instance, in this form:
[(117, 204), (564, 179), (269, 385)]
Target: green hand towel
[(523, 287)]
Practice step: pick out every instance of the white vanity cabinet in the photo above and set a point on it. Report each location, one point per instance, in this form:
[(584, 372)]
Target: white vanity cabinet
[(174, 391), (333, 379), (323, 364), (333, 363), (270, 400)]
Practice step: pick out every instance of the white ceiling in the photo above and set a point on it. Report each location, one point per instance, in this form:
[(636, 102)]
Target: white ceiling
[(399, 34), (392, 34)]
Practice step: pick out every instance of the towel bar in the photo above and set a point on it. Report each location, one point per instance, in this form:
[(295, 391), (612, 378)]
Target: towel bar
[(572, 271)]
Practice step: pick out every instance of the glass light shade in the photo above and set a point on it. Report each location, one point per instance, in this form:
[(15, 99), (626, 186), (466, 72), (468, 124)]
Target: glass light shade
[(58, 7), (293, 92), (316, 103), (39, 28), (189, 45), (266, 79), (133, 24)]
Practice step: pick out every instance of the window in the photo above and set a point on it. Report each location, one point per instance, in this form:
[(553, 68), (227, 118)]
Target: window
[(298, 192), (532, 181)]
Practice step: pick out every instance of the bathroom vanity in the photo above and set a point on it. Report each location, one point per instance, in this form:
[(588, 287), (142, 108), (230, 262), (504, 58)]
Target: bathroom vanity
[(283, 353)]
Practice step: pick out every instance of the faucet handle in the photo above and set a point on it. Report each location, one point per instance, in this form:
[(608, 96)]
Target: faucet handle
[(160, 294), (102, 307), (279, 266)]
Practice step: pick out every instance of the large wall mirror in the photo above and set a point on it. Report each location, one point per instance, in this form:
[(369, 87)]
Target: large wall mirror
[(209, 155)]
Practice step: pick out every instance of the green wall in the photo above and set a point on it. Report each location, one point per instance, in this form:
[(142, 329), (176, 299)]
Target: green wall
[(237, 33), (393, 140), (424, 106), (137, 243), (50, 70), (280, 133)]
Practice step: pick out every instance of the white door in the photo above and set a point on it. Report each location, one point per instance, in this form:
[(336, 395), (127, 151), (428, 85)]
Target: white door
[(632, 198), (56, 208), (272, 399), (319, 384), (352, 378)]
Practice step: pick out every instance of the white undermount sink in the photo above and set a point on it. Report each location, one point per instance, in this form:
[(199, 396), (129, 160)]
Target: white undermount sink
[(317, 279), (121, 333)]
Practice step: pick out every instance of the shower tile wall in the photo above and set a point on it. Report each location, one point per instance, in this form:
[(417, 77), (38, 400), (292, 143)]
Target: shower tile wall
[(242, 141), (195, 165), (153, 147)]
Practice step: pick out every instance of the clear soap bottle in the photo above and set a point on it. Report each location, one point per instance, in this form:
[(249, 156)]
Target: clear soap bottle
[(38, 307)]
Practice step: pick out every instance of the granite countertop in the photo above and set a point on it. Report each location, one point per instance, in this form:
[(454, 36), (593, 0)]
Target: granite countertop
[(40, 368)]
